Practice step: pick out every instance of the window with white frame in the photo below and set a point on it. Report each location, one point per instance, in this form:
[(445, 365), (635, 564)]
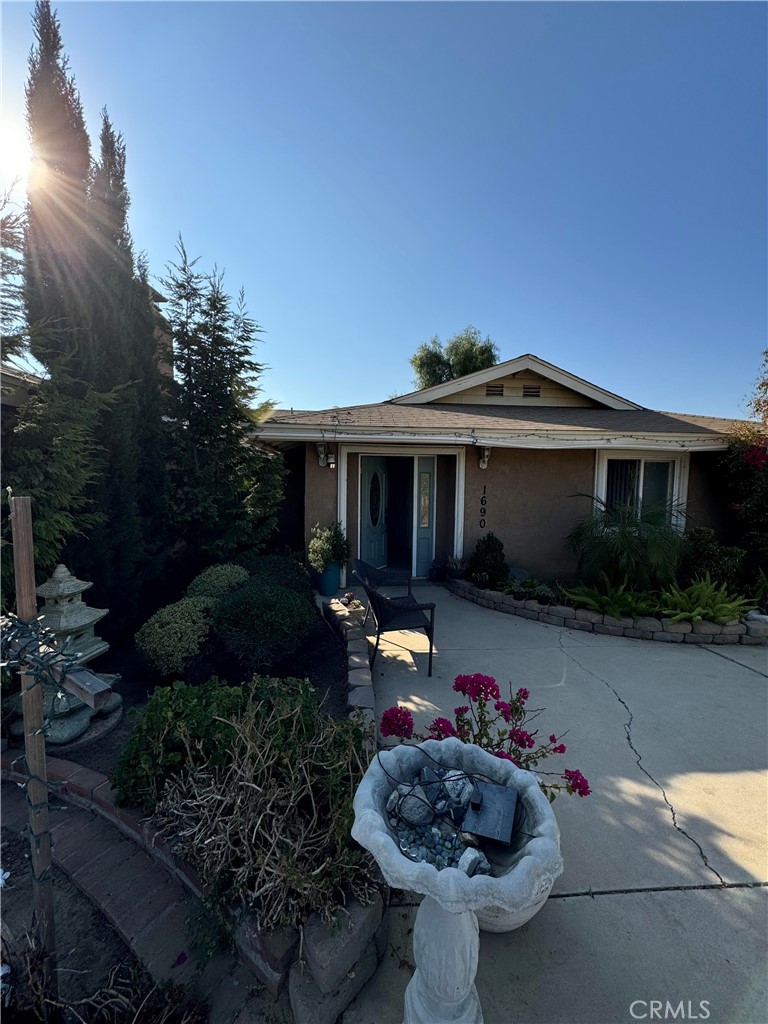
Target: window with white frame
[(643, 480)]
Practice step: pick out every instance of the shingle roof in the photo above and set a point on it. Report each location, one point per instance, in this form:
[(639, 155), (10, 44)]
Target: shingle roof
[(437, 418)]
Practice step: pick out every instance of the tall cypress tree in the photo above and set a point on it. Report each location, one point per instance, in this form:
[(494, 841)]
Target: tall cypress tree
[(55, 283), (122, 554), (226, 491), (49, 448), (92, 324)]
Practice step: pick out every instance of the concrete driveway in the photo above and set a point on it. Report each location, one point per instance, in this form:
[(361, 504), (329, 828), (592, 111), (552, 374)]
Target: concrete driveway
[(663, 899)]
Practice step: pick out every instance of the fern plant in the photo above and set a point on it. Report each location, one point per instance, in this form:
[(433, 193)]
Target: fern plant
[(617, 601), (703, 600)]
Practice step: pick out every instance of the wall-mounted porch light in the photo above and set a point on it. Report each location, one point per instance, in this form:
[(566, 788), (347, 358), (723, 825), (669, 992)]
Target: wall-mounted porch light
[(325, 457), (485, 454)]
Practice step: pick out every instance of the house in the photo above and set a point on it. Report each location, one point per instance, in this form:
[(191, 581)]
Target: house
[(517, 449)]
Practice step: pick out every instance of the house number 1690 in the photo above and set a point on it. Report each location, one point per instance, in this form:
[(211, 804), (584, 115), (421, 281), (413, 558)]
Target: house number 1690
[(483, 509)]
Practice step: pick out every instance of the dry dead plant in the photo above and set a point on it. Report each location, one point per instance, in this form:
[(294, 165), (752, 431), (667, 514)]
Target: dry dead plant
[(272, 826)]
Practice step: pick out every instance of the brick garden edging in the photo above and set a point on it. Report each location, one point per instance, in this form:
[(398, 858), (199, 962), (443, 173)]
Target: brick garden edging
[(339, 958), (641, 628), (348, 623)]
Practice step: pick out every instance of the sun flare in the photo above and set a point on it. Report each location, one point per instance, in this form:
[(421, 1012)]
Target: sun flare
[(15, 155)]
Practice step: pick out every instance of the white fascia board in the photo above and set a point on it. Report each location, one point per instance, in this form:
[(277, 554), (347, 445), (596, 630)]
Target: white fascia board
[(526, 362), (525, 439)]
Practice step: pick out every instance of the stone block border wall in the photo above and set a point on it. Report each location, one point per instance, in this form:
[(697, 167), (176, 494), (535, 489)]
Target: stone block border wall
[(744, 631)]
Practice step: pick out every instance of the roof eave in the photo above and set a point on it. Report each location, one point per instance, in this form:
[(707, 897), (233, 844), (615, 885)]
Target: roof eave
[(519, 439)]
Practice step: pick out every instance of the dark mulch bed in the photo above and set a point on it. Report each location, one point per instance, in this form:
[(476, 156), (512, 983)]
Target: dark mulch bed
[(321, 658)]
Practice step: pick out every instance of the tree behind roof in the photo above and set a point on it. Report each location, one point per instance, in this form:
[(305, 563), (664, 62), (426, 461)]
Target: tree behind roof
[(464, 353)]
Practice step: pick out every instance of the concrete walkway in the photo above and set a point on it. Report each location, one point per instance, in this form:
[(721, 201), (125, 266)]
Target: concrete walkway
[(663, 896)]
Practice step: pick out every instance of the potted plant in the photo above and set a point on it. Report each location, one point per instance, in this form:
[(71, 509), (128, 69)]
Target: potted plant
[(456, 568), (328, 551), (437, 571)]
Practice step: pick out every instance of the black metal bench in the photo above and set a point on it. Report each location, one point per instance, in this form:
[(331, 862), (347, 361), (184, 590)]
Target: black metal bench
[(375, 578), (392, 613)]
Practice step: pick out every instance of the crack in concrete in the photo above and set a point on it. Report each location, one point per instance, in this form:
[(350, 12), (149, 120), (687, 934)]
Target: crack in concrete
[(641, 766), (629, 891)]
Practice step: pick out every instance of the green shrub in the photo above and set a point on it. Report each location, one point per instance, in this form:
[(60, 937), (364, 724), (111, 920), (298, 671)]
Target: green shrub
[(178, 728), (260, 622), (216, 581), (174, 635), (703, 600), (279, 569), (702, 553), (611, 600), (328, 547), (487, 561), (626, 543), (283, 846)]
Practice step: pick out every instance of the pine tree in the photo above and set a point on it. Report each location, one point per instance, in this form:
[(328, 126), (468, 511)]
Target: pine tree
[(226, 491)]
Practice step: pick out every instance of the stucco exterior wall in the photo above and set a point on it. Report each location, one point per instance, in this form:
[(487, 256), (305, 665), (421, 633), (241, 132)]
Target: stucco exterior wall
[(320, 496), (529, 504)]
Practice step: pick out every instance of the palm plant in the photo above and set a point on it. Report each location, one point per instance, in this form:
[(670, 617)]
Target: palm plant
[(622, 542)]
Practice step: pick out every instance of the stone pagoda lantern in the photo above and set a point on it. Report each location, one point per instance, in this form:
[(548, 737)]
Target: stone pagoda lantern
[(72, 623)]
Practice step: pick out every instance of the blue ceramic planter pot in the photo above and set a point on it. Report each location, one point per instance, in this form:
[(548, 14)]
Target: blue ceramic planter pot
[(329, 581)]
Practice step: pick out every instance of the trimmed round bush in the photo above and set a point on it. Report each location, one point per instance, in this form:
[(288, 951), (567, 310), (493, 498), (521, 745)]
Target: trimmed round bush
[(217, 580), (260, 621), (281, 570), (175, 634)]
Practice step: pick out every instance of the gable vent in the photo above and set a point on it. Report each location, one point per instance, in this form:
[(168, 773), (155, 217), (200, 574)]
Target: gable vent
[(531, 390), (494, 390)]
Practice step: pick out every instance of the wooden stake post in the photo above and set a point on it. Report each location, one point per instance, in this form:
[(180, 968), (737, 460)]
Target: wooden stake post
[(83, 684)]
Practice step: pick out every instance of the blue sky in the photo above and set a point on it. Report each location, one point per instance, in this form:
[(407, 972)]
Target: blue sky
[(584, 181)]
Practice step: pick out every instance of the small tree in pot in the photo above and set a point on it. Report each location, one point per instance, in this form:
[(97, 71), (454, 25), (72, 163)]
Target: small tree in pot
[(328, 551)]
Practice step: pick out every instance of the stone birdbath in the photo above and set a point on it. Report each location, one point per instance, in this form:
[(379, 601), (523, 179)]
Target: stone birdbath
[(446, 931)]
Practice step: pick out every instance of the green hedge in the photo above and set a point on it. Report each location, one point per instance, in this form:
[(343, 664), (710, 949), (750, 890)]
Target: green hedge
[(217, 580), (280, 570), (175, 634), (260, 621)]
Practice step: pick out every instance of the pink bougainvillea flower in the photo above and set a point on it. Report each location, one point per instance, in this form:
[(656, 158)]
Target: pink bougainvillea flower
[(477, 687), (503, 754), (523, 694), (756, 457), (521, 738), (734, 507), (559, 749), (461, 710), (397, 721), (576, 782), (504, 708), (441, 728)]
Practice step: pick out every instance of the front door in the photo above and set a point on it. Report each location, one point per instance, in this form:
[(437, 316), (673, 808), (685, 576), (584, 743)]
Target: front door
[(373, 515)]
